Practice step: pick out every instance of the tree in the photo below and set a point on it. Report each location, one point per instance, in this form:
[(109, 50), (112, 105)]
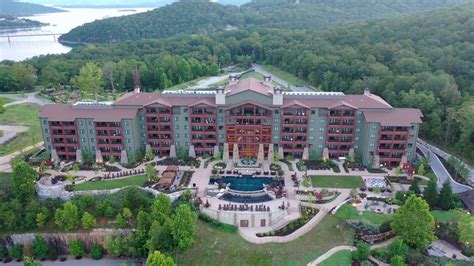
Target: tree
[(88, 221), (161, 208), (446, 198), (97, 252), (151, 173), (421, 170), (76, 248), (108, 70), (23, 182), (184, 227), (143, 221), (430, 194), (158, 259), (466, 229), (127, 215), (68, 217), (414, 187), (112, 159), (398, 248), (398, 171), (89, 81), (414, 223), (121, 222), (397, 261), (75, 168), (25, 74), (150, 155), (362, 252), (160, 236), (40, 247)]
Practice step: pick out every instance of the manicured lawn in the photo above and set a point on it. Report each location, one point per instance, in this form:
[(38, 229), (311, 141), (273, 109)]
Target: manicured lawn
[(258, 76), (24, 115), (111, 184), (214, 247), (445, 216), (5, 100), (337, 181), (340, 258), (347, 212), (286, 76)]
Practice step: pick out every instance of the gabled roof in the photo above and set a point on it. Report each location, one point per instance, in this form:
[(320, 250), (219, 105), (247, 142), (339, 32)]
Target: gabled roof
[(294, 102), (394, 117), (341, 103), (205, 102), (249, 84), (467, 198), (249, 102), (64, 112)]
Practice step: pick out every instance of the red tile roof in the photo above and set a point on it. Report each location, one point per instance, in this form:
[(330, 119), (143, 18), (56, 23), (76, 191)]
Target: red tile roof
[(64, 112), (249, 84), (394, 117)]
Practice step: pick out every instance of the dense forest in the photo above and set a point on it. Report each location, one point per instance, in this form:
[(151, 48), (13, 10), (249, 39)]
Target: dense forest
[(18, 9), (198, 17), (8, 22), (424, 61)]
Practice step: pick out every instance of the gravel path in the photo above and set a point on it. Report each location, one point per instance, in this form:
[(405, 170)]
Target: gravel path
[(9, 132), (30, 98)]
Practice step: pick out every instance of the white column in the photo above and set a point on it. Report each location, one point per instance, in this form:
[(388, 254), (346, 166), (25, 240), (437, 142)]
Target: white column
[(260, 154), (123, 157), (305, 153), (235, 155), (192, 152), (270, 153), (173, 151), (225, 156), (78, 156)]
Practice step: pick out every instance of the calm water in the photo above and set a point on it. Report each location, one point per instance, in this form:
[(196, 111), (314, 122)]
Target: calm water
[(21, 48)]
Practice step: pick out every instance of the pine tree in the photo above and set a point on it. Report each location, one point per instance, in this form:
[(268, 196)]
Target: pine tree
[(446, 198), (430, 194)]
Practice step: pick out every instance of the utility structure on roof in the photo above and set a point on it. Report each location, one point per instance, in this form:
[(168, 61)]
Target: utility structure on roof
[(247, 116)]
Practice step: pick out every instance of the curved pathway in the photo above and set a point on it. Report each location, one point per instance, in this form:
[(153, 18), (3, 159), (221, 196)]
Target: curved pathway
[(20, 99), (5, 160), (334, 250), (440, 171)]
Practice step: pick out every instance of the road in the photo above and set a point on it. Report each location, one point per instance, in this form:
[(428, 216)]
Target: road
[(205, 83), (19, 99), (9, 132), (440, 171), (5, 160), (258, 68)]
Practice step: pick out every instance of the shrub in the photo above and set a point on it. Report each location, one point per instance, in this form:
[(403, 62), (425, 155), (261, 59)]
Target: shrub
[(40, 247), (362, 252), (76, 248), (52, 254), (97, 252), (16, 252)]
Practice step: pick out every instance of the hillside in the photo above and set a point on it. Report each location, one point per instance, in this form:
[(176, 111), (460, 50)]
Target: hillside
[(199, 18), (175, 19), (18, 9), (9, 22)]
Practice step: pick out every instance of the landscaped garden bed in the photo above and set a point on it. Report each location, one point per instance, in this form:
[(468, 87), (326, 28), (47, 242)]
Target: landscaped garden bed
[(307, 213), (138, 180), (318, 165), (354, 166), (175, 161), (406, 180)]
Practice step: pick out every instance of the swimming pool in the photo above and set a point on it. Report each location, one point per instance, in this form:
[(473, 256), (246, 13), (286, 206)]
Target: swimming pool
[(249, 183), (245, 199)]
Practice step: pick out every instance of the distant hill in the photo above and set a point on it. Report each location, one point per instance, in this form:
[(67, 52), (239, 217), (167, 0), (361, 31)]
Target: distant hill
[(17, 9), (10, 22), (202, 17)]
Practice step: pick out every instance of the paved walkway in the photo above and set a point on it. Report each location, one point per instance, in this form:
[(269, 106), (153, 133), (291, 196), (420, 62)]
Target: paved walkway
[(20, 99), (5, 160), (9, 132), (249, 233), (334, 250), (440, 171), (261, 70)]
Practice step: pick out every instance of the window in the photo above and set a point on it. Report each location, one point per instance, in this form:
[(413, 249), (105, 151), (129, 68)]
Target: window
[(321, 137), (127, 140), (320, 146), (311, 121), (374, 126), (221, 127), (186, 118), (372, 144), (186, 144), (176, 118), (356, 146), (46, 130), (311, 129), (92, 140), (48, 139), (313, 112), (276, 137), (220, 110), (356, 138), (93, 148), (45, 122), (143, 134), (142, 118), (126, 123), (91, 131), (359, 112), (185, 127), (80, 122), (357, 129), (177, 135), (221, 119), (176, 127), (90, 123), (82, 131), (83, 140), (322, 120), (186, 136), (49, 147), (127, 132), (358, 121), (277, 112), (221, 136), (311, 137), (143, 126), (321, 129), (276, 128), (372, 136)]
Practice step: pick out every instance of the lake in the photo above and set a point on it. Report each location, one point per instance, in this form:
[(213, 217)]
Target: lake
[(21, 48)]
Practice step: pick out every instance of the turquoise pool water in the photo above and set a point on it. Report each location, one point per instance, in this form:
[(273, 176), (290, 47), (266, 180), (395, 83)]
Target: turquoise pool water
[(249, 183), (245, 199)]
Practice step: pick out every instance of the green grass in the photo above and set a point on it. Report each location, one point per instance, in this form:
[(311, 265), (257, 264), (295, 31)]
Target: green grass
[(5, 100), (337, 181), (340, 258), (286, 76), (214, 247), (258, 76), (111, 184), (445, 216), (347, 212), (23, 115)]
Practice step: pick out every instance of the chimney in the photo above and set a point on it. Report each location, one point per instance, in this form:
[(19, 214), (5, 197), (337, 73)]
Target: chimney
[(137, 89), (277, 96), (367, 92), (267, 80), (220, 96), (232, 80)]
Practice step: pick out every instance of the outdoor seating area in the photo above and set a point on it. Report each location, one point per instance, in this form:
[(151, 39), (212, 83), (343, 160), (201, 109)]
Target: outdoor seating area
[(244, 207), (374, 182), (167, 177)]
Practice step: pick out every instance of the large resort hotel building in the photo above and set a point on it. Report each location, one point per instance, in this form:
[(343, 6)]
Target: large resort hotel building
[(248, 117)]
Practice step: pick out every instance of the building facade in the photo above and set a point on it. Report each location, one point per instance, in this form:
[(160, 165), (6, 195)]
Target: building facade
[(248, 117)]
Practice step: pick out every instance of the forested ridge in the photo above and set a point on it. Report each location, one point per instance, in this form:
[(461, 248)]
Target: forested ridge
[(198, 17), (15, 8)]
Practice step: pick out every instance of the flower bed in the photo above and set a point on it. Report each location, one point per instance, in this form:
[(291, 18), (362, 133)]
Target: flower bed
[(174, 161), (402, 179), (275, 167), (307, 213)]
